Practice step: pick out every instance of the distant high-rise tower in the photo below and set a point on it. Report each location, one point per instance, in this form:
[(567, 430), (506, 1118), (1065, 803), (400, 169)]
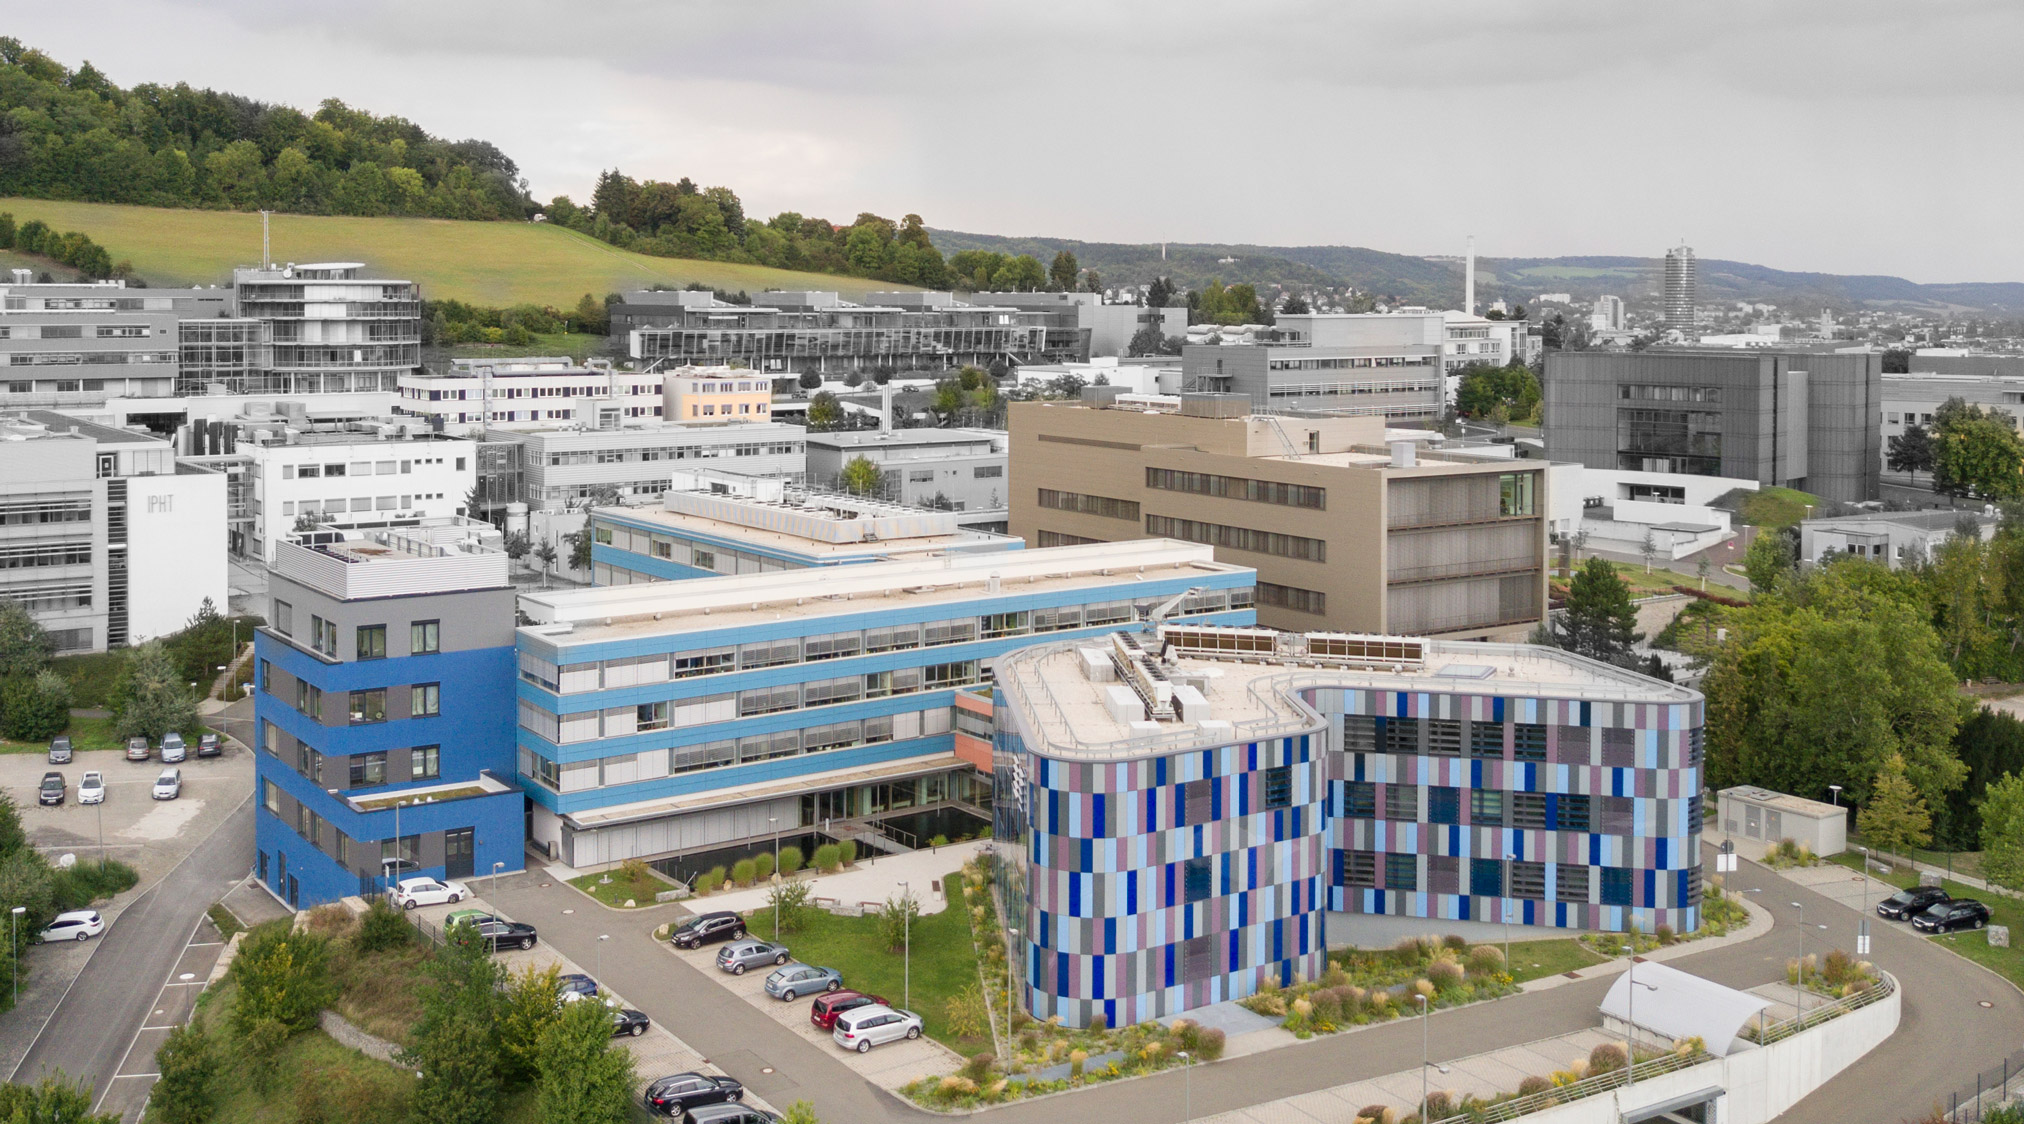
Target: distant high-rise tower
[(1608, 314), (1679, 288), (1469, 279)]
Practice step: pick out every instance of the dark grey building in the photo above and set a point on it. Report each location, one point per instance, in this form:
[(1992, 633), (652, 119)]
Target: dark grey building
[(1805, 420)]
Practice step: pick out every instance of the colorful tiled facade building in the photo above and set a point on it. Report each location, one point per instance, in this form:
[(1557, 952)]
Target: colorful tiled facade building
[(1178, 812)]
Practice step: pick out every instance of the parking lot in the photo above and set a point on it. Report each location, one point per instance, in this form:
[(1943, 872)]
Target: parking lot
[(150, 835), (889, 1066), (657, 1053)]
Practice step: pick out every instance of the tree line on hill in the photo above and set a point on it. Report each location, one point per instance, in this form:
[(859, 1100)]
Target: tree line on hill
[(73, 134)]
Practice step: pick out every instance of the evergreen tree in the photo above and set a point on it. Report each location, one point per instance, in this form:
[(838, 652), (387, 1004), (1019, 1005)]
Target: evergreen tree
[(1062, 273), (1600, 621)]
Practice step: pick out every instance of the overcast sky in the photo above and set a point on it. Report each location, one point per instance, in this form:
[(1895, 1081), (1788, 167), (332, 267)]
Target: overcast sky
[(1848, 136)]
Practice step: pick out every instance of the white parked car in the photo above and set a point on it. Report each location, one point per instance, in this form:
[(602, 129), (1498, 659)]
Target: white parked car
[(427, 891), (169, 785), (75, 925), (91, 790), (877, 1025)]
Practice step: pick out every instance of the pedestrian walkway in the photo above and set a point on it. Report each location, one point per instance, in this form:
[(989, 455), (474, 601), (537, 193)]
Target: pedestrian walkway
[(867, 884)]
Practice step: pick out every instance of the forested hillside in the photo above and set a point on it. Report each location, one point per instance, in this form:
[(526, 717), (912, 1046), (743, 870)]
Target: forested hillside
[(68, 134)]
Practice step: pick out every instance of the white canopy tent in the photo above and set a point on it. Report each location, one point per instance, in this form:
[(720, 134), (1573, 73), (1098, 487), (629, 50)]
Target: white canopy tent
[(1673, 1004)]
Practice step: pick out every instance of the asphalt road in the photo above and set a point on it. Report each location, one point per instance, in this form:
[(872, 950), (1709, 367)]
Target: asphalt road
[(99, 1017), (1944, 1036)]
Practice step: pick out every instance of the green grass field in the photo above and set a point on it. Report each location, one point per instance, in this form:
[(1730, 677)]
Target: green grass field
[(1776, 507), (1532, 960), (485, 263), (944, 961)]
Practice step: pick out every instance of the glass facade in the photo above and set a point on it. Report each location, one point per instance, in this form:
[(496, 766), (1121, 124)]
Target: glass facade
[(1669, 440)]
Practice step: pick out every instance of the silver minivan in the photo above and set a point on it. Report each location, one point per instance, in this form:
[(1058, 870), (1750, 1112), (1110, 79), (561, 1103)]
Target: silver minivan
[(866, 1027), (173, 750)]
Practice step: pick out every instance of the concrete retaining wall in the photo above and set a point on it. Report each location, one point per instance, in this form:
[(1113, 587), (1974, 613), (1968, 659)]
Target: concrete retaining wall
[(1760, 1083)]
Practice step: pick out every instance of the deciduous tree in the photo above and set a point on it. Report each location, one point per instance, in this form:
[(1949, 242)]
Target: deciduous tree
[(152, 697), (824, 412), (583, 1078), (860, 477), (1894, 818)]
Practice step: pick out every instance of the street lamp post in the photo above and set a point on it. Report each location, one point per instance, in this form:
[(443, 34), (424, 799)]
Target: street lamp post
[(1012, 935), (14, 947), (1425, 1058), (601, 938), (1862, 925), (1799, 967), (770, 822), (495, 887), (1187, 1092), (907, 945), (1508, 860), (1630, 1018)]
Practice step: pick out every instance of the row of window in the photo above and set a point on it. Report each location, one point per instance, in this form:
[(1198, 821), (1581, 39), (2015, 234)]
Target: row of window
[(1238, 538), (1293, 597), (1089, 505), (84, 358), (1610, 746), (651, 764), (633, 671), (29, 511), (359, 468), (363, 770), (678, 453), (1237, 488), (425, 700), (1350, 363), (1635, 392), (370, 640), (1496, 878), (33, 555), (312, 828), (665, 714)]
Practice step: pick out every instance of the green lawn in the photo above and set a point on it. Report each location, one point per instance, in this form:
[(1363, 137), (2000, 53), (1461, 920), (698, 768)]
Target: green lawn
[(944, 961), (485, 263), (614, 893), (1776, 507), (1533, 960), (2003, 910)]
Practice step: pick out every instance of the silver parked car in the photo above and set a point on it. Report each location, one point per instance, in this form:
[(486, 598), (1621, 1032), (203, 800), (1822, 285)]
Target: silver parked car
[(740, 955), (169, 785), (173, 750), (791, 981), (866, 1027)]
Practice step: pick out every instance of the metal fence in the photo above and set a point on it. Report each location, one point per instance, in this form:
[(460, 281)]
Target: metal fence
[(1810, 1017), (1586, 1087), (1991, 1088)]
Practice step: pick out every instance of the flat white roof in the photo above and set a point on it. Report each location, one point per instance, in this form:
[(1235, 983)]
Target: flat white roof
[(616, 612), (1069, 712)]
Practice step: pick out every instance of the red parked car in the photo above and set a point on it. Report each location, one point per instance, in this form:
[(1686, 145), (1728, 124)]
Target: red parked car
[(826, 1007)]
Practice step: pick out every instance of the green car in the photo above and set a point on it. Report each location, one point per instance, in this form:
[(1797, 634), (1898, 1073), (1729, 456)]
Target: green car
[(461, 916)]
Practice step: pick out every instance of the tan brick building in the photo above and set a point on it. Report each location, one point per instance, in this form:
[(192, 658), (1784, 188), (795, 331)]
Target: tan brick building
[(1346, 532)]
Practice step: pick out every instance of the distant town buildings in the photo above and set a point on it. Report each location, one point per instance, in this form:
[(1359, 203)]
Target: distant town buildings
[(1806, 420), (1111, 326), (1346, 529), (1402, 365), (1607, 315), (786, 333), (105, 539), (526, 393), (1680, 289)]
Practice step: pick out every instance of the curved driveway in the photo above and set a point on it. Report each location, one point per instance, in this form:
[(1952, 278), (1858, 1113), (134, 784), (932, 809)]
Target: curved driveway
[(1945, 1035)]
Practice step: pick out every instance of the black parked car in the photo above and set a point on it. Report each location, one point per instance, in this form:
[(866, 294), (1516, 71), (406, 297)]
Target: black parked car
[(52, 789), (576, 983), (209, 746), (1907, 904), (732, 1114), (708, 928), (506, 934), (629, 1021), (1962, 913), (673, 1096)]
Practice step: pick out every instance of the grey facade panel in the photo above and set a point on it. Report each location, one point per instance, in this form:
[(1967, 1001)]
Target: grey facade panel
[(1797, 419), (467, 619)]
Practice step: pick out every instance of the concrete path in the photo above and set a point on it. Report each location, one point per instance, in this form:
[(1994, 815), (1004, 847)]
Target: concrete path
[(867, 884)]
